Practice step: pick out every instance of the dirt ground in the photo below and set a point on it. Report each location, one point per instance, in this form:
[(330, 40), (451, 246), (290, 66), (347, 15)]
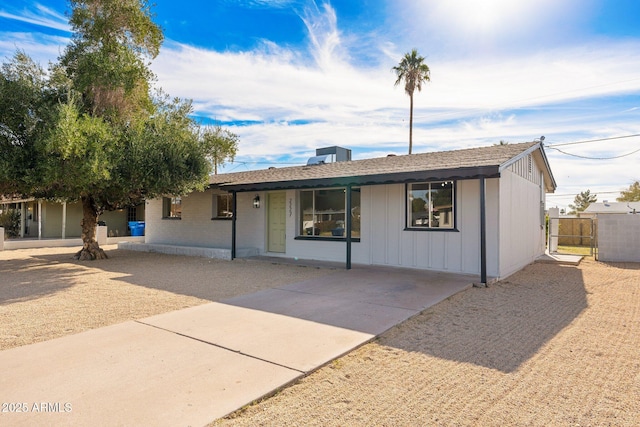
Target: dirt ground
[(550, 345), (45, 294)]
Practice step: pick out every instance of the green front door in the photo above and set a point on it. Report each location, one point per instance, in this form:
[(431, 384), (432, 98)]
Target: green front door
[(276, 229)]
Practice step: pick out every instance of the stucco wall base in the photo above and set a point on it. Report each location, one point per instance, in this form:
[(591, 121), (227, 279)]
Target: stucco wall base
[(217, 253)]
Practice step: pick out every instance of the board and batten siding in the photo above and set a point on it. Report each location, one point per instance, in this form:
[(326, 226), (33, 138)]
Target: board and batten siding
[(522, 233), (512, 209), (385, 241)]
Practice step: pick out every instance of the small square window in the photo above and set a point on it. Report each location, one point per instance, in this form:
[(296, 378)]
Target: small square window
[(223, 206), (172, 207), (430, 205)]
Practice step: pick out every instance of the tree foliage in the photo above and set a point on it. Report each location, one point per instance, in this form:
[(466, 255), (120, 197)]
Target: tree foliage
[(221, 143), (93, 128), (582, 201), (413, 71), (631, 194)]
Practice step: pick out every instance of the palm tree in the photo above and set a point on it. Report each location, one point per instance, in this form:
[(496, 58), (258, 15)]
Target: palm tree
[(413, 71)]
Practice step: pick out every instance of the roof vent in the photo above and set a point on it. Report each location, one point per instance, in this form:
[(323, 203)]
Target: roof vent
[(337, 154), (317, 160)]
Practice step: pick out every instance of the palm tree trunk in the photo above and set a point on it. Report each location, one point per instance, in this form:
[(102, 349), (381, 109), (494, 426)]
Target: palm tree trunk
[(410, 123)]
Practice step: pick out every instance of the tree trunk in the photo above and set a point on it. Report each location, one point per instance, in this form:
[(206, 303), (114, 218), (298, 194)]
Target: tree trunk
[(90, 248), (410, 123)]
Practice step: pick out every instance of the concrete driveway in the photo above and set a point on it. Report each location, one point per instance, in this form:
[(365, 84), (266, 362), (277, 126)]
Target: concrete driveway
[(191, 366)]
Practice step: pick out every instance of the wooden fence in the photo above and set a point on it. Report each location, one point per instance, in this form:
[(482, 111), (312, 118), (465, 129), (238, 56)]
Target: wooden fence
[(577, 231)]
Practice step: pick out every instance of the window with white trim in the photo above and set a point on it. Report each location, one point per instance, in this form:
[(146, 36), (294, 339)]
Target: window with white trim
[(430, 205)]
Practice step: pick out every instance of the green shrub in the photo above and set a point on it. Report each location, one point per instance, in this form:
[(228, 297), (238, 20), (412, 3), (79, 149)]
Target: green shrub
[(10, 221)]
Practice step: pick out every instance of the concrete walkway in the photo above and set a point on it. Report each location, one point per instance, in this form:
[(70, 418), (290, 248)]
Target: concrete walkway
[(192, 366)]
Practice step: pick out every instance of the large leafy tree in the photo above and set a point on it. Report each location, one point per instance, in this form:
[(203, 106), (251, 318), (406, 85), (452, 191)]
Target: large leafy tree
[(413, 71), (26, 107), (582, 201), (631, 194), (93, 129)]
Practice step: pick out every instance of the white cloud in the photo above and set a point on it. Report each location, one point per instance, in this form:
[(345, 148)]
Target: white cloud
[(40, 47), (302, 100), (41, 16)]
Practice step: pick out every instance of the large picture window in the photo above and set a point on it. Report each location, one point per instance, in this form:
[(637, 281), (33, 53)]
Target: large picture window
[(172, 207), (431, 205), (323, 213)]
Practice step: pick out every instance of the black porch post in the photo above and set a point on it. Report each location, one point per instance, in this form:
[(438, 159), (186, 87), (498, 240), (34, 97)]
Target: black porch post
[(234, 216), (347, 217), (483, 232)]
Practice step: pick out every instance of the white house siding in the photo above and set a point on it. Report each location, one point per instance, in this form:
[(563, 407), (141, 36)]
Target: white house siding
[(493, 219), (521, 223), (303, 249), (195, 228), (386, 242), (250, 224)]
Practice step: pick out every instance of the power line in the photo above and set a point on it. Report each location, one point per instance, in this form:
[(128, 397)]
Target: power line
[(591, 140), (596, 158)]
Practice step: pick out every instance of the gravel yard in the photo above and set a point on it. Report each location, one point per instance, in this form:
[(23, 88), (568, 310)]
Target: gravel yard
[(550, 345), (45, 294)]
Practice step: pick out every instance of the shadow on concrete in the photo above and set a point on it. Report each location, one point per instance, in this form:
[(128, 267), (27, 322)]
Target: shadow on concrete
[(499, 327), (366, 299)]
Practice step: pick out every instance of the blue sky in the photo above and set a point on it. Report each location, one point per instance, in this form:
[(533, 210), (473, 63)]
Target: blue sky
[(290, 76)]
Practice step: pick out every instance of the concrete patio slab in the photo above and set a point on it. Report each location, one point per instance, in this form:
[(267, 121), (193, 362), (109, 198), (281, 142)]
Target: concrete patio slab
[(370, 319), (191, 366), (282, 340), (556, 258), (130, 374), (396, 287)]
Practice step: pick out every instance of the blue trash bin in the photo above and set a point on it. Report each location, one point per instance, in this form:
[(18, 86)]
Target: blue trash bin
[(137, 228)]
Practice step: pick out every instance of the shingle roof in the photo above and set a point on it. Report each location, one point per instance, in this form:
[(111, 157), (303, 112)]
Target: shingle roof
[(453, 164)]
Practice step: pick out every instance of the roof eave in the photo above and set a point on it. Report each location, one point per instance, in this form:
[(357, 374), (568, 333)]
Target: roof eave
[(375, 179)]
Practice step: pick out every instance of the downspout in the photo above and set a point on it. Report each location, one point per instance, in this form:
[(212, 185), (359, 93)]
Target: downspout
[(483, 233), (348, 225), (234, 215)]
